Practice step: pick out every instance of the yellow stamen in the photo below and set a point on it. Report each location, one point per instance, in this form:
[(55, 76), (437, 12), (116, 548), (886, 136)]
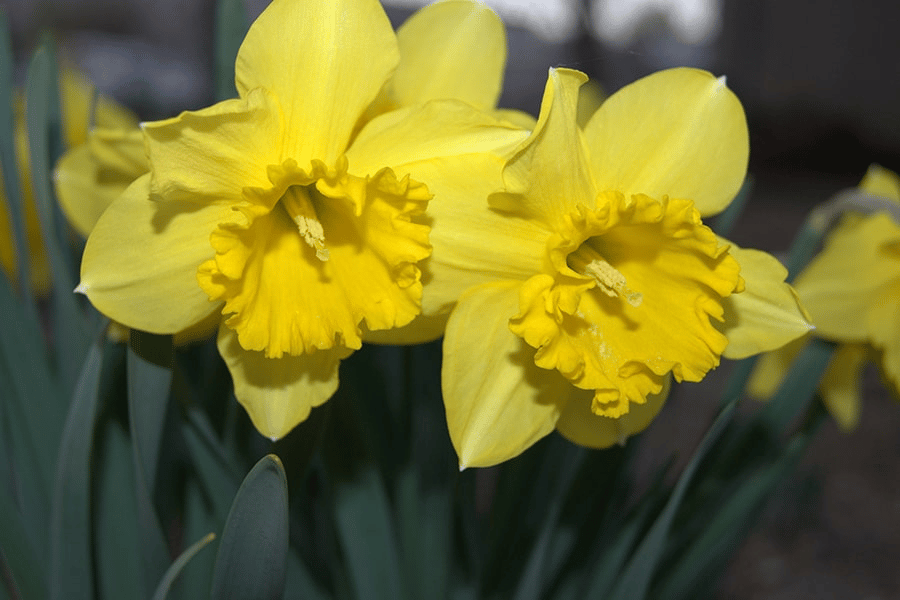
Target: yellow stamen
[(299, 206), (587, 261)]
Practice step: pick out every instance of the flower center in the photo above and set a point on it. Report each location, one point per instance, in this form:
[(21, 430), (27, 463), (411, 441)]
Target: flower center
[(285, 292), (587, 261), (299, 205)]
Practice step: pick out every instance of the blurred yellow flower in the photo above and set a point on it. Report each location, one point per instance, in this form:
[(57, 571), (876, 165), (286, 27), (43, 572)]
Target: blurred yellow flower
[(80, 106), (852, 292), (276, 210), (590, 279)]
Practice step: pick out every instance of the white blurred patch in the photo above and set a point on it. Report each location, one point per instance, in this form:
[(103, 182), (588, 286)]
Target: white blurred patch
[(694, 22), (552, 20)]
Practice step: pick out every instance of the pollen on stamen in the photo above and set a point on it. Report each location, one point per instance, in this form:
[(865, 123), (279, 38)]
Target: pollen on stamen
[(611, 282), (312, 233), (297, 202)]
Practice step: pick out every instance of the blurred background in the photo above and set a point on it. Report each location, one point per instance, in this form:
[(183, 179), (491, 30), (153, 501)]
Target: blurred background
[(820, 82)]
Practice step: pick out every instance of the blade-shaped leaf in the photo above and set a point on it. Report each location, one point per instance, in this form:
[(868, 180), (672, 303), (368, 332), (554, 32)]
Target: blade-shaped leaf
[(117, 536), (634, 581), (71, 570), (253, 549), (174, 571), (17, 557), (362, 517), (10, 179), (69, 323), (149, 378), (726, 527)]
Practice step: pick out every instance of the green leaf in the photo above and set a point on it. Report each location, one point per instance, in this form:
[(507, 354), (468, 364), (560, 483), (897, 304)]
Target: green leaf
[(426, 479), (215, 472), (31, 420), (149, 367), (798, 387), (196, 578), (602, 576), (634, 581), (69, 323), (231, 27), (175, 570), (726, 525), (8, 161), (362, 517), (149, 379), (117, 535), (71, 569), (536, 573), (17, 556), (366, 534), (252, 554)]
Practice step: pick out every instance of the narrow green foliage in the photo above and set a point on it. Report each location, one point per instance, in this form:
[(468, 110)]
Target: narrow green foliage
[(70, 326), (71, 569), (635, 580), (231, 27), (149, 379), (798, 387), (174, 571), (117, 536), (362, 518), (149, 368), (536, 573), (726, 524), (602, 576), (11, 183), (215, 472), (252, 556), (17, 556), (32, 427)]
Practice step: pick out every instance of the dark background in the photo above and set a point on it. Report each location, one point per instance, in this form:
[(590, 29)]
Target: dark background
[(820, 82)]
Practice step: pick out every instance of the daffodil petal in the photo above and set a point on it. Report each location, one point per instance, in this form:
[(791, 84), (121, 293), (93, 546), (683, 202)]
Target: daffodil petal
[(580, 425), (498, 403), (472, 243), (549, 175), (325, 61), (884, 329), (90, 176), (881, 182), (82, 108), (767, 314), (453, 49), (770, 368), (437, 129), (838, 285), (216, 152), (279, 393), (841, 385), (140, 262), (679, 132)]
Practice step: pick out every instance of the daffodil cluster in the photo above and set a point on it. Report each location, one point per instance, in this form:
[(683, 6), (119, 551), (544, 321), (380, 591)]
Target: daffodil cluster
[(852, 292), (363, 186)]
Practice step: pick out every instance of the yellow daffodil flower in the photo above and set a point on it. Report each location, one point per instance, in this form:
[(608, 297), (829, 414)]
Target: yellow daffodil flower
[(454, 49), (80, 106), (590, 279), (852, 292), (276, 211)]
